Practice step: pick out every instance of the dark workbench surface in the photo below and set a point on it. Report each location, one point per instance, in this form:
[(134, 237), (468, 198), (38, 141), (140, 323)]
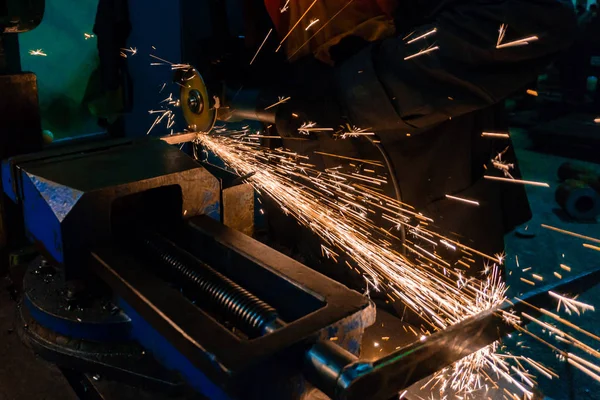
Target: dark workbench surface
[(23, 376)]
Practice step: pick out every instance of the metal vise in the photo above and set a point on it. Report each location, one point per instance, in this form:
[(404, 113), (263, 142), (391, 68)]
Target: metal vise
[(182, 300), (141, 283)]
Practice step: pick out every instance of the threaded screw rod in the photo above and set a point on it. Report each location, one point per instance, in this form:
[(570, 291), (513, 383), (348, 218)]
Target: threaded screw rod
[(247, 312)]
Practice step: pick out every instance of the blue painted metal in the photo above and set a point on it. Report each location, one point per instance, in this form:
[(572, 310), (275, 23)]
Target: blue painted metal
[(46, 300), (107, 332), (45, 205), (169, 356), (58, 199), (7, 180), (214, 211)]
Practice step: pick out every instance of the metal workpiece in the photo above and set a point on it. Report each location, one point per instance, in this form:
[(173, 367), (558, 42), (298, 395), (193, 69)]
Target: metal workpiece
[(211, 288), (324, 365), (385, 377), (62, 190), (179, 138)]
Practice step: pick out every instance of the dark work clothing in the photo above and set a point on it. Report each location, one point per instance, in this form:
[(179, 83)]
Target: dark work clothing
[(112, 27), (445, 99), (430, 111), (466, 74)]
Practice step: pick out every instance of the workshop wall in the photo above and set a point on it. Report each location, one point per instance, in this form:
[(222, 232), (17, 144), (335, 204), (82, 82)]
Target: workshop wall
[(154, 30), (63, 74)]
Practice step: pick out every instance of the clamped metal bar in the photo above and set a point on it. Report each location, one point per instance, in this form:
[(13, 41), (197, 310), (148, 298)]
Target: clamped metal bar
[(342, 376)]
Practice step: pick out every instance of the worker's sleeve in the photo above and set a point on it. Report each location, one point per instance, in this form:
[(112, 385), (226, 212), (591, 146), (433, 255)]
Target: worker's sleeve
[(382, 88)]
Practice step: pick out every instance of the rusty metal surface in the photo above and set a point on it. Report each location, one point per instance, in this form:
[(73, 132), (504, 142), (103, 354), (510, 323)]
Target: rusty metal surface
[(238, 208)]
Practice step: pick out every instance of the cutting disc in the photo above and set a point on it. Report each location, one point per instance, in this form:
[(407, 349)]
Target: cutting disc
[(198, 109)]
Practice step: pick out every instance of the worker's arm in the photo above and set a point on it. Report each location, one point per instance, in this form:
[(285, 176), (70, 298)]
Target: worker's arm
[(382, 90)]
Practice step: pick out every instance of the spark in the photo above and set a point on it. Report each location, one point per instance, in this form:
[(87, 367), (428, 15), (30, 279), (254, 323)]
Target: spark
[(168, 99), (261, 45), (577, 235), (311, 23), (573, 302), (528, 281), (282, 100), (354, 132), (423, 36), (503, 166), (285, 7), (445, 243), (88, 36), (572, 360), (422, 52), (346, 233), (532, 92), (132, 51), (556, 274), (370, 162), (161, 59), (295, 25), (472, 202), (597, 120), (589, 246), (402, 395), (495, 135), (174, 66), (38, 52), (520, 42), (565, 267), (333, 205), (497, 178), (501, 34), (164, 113), (308, 127)]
